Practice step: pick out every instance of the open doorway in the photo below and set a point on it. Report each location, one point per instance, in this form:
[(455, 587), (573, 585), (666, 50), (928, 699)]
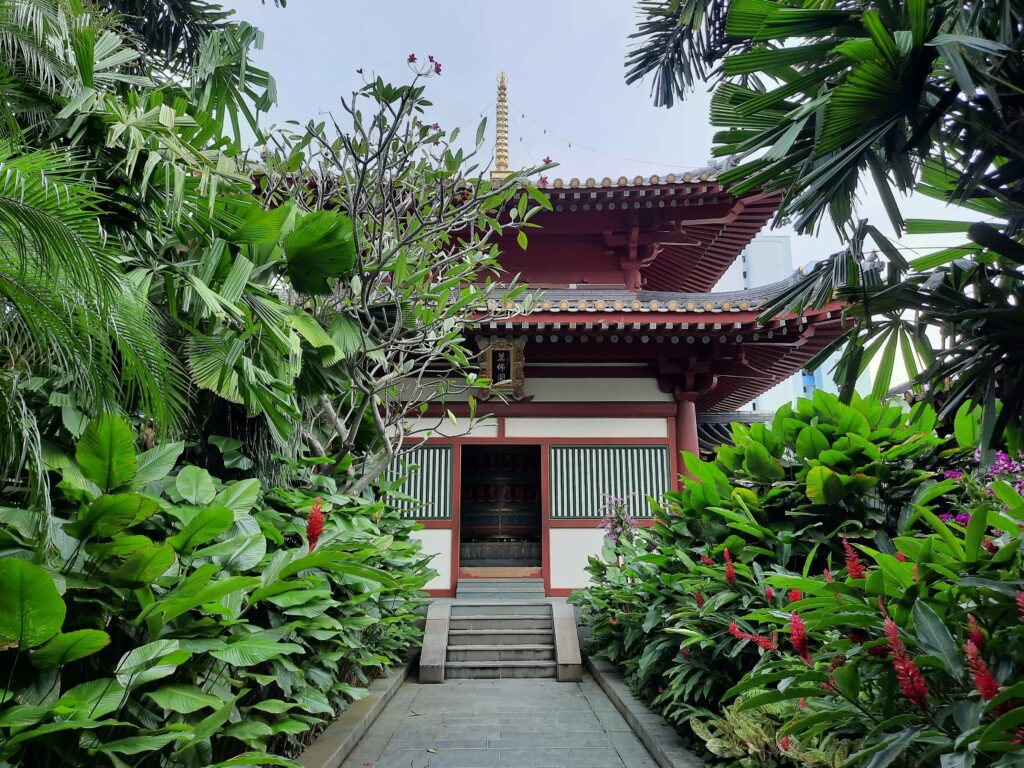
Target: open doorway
[(500, 521)]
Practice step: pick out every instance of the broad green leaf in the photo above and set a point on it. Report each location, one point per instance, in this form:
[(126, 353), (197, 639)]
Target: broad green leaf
[(149, 662), (811, 442), (254, 649), (760, 463), (239, 496), (320, 247), (976, 528), (824, 486), (71, 646), (207, 525), (31, 609), (195, 485), (935, 638), (967, 425), (156, 463), (106, 452), (135, 745), (258, 759), (110, 514), (184, 699), (145, 565)]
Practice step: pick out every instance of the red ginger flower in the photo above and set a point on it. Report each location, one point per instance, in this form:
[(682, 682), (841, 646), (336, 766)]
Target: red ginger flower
[(314, 524), (984, 680), (769, 593), (854, 567), (911, 680), (798, 637), (706, 560), (901, 557), (760, 640), (828, 576), (1020, 604), (730, 569), (699, 597), (794, 595), (974, 633)]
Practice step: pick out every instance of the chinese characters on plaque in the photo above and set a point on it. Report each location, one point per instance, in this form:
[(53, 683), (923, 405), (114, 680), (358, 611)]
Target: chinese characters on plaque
[(501, 361)]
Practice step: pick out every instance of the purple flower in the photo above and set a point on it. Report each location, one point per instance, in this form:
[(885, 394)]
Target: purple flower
[(952, 474), (946, 518), (963, 518)]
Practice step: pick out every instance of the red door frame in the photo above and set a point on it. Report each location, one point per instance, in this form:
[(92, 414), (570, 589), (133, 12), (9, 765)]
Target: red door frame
[(547, 523)]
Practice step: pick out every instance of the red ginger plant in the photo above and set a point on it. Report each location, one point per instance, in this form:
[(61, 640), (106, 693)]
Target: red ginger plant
[(910, 679), (314, 524)]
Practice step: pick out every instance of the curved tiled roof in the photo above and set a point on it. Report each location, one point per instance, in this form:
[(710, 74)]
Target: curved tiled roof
[(707, 173), (596, 299)]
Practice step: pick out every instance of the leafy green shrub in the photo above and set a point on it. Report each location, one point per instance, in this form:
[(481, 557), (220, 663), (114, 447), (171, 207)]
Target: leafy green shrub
[(162, 617), (699, 608)]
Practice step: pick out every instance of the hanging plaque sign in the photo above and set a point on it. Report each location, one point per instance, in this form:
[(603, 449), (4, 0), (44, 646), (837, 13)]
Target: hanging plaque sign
[(501, 361)]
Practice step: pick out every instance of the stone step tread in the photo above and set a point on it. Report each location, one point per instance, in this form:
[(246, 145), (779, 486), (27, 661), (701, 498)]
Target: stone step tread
[(516, 647), (493, 664), (468, 603), (501, 631), (498, 617)]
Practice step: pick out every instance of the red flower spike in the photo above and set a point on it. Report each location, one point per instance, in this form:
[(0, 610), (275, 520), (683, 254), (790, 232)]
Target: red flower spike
[(901, 557), (974, 633), (798, 637), (699, 597), (784, 743), (828, 576), (1020, 604), (706, 560), (854, 567), (761, 641), (794, 595), (911, 680), (769, 593), (686, 653), (730, 569), (984, 680), (314, 524), (990, 546), (803, 704)]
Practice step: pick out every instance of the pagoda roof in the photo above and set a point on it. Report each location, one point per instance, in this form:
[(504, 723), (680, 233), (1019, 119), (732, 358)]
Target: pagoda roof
[(612, 299), (677, 232), (718, 338)]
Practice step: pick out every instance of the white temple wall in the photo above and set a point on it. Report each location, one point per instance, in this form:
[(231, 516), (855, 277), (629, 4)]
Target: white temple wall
[(570, 548), (438, 542), (618, 390), (570, 427), (441, 426)]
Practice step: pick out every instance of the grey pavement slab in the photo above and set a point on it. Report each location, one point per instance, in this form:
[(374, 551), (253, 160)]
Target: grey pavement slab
[(505, 723)]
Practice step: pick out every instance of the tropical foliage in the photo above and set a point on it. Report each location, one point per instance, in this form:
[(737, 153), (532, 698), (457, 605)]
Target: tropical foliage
[(169, 618), (815, 101), (809, 598), (209, 358)]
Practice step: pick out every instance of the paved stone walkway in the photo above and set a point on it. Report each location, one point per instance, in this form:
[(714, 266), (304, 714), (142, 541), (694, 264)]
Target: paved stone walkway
[(500, 724)]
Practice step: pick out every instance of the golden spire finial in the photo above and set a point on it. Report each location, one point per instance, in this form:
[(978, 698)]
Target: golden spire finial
[(501, 123)]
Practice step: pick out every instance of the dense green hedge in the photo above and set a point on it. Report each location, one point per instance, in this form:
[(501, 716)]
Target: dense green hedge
[(842, 587), (161, 617)]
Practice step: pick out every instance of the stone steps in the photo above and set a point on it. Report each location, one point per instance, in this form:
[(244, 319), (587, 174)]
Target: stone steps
[(482, 670), (489, 632), (500, 652), (508, 637)]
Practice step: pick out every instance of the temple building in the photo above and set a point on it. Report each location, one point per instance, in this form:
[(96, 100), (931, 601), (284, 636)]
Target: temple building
[(627, 359)]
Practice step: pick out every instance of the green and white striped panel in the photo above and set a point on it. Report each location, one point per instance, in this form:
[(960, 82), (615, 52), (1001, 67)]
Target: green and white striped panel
[(581, 474), (429, 472)]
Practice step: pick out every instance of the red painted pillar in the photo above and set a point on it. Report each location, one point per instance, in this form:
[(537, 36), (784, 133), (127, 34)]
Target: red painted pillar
[(686, 426)]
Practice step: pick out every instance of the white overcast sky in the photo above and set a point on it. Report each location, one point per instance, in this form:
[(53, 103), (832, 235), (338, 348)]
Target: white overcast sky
[(564, 59)]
